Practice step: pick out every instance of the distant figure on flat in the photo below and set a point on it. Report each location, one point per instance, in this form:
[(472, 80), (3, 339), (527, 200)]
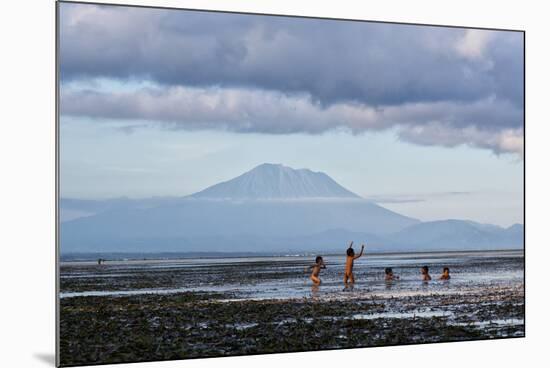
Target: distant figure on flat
[(316, 269), (349, 278), (425, 271), (445, 275)]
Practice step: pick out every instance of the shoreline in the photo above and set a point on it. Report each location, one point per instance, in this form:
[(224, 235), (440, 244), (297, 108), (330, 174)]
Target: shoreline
[(214, 256)]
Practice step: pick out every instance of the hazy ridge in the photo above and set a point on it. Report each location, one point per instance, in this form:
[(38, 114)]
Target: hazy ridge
[(271, 208)]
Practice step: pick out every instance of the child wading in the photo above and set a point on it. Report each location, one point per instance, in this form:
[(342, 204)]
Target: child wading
[(316, 269), (425, 272), (349, 278), (445, 275), (389, 274)]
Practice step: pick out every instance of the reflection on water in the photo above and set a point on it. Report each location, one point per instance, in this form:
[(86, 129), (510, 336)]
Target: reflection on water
[(315, 291), (284, 277)]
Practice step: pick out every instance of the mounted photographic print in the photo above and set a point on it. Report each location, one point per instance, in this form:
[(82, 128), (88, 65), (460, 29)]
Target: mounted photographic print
[(234, 184)]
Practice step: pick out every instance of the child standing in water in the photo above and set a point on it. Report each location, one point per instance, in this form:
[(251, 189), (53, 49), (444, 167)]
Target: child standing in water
[(349, 278), (389, 274), (316, 269), (445, 275), (425, 273)]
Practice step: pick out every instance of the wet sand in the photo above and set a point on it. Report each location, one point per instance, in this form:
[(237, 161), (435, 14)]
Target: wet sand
[(187, 309)]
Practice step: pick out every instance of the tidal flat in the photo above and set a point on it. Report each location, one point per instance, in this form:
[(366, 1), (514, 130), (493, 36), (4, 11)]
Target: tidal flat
[(123, 311)]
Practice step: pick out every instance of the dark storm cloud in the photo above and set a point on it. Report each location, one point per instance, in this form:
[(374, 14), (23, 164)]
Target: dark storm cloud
[(275, 75), (332, 61)]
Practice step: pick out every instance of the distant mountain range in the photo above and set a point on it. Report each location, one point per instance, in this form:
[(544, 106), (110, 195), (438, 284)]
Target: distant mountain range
[(271, 208)]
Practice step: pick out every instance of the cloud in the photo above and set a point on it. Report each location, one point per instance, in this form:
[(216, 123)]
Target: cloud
[(414, 197), (131, 128), (390, 200), (473, 43), (503, 141), (487, 123), (279, 75), (332, 61)]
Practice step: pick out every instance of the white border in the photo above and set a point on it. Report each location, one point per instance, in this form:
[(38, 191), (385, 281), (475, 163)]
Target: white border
[(27, 190)]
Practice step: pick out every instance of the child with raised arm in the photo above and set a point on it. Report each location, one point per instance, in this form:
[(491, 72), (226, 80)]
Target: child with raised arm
[(316, 269), (349, 278), (445, 275), (425, 271)]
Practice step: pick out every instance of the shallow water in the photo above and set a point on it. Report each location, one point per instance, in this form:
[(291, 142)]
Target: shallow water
[(168, 309), (285, 277)]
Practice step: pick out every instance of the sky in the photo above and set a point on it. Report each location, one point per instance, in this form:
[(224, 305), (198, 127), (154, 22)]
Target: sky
[(426, 121)]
